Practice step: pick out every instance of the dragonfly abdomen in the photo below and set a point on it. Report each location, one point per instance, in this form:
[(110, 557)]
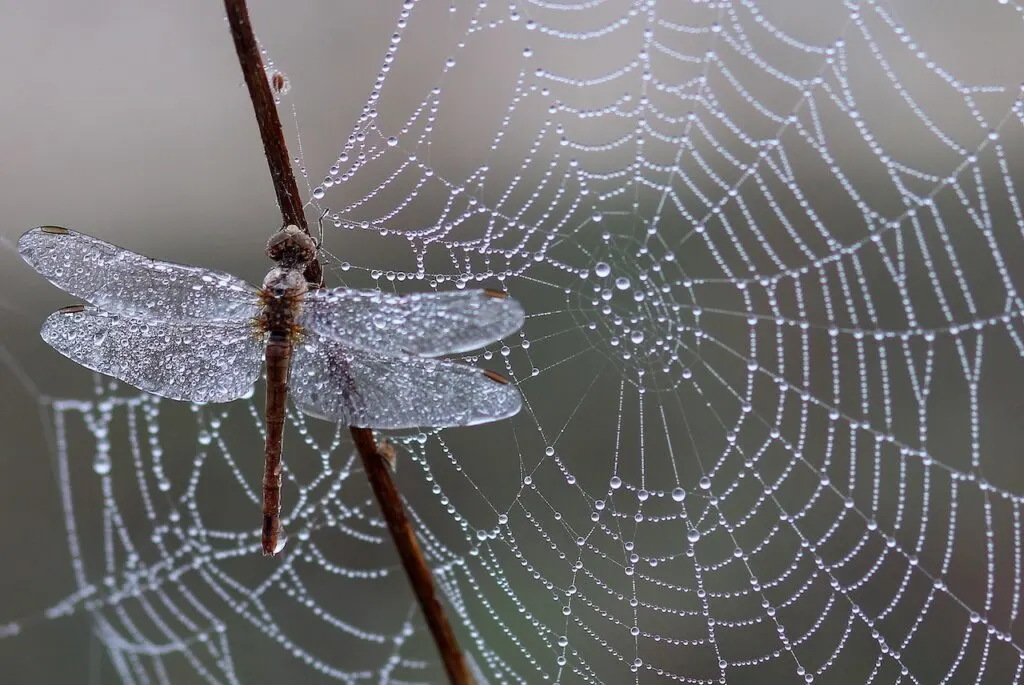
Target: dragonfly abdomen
[(278, 359), (281, 295)]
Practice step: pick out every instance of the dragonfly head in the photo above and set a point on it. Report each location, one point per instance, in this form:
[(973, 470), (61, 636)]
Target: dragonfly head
[(291, 247), (282, 282)]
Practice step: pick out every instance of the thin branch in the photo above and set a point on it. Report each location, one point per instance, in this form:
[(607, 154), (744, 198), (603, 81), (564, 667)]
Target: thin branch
[(379, 474), (374, 462), (266, 114), (274, 146)]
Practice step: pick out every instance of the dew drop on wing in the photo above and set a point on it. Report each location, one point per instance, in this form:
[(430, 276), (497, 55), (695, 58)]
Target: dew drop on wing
[(394, 392), (422, 324)]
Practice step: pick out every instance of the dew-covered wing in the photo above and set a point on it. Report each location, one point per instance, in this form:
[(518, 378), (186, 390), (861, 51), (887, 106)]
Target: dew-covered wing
[(121, 281), (206, 362), (425, 324), (358, 387)]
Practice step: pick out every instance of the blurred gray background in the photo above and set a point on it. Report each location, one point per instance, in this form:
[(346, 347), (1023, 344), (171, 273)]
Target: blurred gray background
[(129, 121)]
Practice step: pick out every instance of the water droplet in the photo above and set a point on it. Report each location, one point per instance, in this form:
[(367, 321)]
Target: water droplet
[(615, 483), (693, 535), (637, 337), (622, 283), (602, 269), (102, 465), (678, 494)]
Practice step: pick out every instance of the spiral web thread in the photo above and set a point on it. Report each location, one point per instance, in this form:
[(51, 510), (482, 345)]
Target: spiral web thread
[(769, 258)]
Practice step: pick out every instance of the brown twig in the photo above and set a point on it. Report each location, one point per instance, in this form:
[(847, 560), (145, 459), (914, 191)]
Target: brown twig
[(374, 463), (379, 473), (274, 145)]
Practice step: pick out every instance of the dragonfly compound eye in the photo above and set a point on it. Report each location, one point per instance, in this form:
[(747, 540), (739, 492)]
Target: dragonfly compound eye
[(291, 246)]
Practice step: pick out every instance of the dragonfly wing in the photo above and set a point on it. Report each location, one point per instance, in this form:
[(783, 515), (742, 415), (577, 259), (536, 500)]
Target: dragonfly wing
[(123, 282), (361, 388), (425, 324), (202, 362)]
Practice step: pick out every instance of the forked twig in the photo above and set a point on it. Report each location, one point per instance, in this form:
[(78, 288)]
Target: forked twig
[(374, 463)]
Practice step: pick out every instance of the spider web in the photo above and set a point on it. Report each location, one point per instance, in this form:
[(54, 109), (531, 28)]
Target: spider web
[(768, 255)]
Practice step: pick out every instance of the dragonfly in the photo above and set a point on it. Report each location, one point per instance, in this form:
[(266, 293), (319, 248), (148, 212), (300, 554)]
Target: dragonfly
[(362, 358)]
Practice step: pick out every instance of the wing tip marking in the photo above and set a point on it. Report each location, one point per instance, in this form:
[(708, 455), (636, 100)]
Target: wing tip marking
[(496, 377), (495, 294), (72, 309), (55, 230)]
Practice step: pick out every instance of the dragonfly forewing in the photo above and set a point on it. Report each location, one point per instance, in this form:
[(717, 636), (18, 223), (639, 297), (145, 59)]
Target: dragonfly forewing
[(196, 362), (360, 388), (124, 282), (424, 324)]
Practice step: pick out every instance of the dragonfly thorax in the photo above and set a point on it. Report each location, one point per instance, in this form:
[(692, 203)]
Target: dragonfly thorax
[(284, 282), (291, 247)]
